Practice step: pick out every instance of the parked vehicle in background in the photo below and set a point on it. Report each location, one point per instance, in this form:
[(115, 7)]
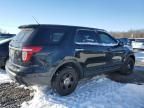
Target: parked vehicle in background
[(6, 36), (4, 51), (131, 39), (138, 44), (59, 56)]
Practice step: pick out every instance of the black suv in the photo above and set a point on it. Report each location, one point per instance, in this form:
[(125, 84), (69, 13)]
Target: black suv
[(59, 56)]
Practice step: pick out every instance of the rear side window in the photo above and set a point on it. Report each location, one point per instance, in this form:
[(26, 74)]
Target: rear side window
[(48, 36), (55, 37)]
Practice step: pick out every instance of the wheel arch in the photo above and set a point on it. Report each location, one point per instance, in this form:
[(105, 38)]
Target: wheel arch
[(132, 56), (129, 54), (69, 63)]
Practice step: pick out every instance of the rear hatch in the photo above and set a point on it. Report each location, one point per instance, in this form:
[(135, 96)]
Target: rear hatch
[(31, 41), (16, 45)]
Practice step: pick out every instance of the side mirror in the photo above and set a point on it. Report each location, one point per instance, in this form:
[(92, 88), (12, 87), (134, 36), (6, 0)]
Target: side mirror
[(120, 43)]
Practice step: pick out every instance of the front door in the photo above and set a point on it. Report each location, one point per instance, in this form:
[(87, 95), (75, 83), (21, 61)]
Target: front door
[(91, 55), (114, 50)]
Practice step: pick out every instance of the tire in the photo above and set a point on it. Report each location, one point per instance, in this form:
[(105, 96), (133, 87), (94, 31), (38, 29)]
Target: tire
[(128, 67), (2, 66), (65, 81)]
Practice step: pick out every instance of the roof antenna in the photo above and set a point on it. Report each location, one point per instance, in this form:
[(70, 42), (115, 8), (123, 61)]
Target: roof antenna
[(35, 20)]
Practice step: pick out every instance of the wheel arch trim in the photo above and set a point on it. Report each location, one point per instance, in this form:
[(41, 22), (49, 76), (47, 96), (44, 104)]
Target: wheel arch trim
[(65, 62)]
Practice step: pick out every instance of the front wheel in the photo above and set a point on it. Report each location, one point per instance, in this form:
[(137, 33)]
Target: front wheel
[(127, 67), (65, 81)]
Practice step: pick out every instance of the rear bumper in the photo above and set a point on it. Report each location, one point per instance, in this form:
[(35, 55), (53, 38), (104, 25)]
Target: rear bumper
[(30, 78)]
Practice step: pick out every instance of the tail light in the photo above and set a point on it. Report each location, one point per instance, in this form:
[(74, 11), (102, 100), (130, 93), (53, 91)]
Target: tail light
[(28, 52)]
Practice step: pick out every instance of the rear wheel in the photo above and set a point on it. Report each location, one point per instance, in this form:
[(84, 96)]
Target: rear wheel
[(128, 67), (65, 81)]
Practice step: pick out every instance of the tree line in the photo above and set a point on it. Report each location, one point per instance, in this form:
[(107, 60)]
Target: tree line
[(129, 34)]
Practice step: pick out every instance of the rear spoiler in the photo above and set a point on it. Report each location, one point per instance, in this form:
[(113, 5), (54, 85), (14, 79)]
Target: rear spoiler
[(29, 26)]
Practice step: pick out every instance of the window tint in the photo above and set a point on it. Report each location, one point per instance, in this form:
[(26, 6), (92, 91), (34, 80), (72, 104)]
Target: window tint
[(85, 36), (106, 38), (56, 36), (47, 36)]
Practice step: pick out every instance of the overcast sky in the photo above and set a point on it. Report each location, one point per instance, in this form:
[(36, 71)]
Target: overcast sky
[(112, 15)]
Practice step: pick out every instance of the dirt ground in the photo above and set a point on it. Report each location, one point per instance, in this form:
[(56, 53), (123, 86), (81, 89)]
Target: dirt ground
[(12, 95)]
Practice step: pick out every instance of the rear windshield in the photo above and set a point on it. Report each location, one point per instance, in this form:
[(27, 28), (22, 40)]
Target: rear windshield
[(23, 35), (43, 36)]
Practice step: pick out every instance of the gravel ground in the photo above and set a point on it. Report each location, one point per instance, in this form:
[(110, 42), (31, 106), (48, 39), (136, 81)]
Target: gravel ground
[(12, 95)]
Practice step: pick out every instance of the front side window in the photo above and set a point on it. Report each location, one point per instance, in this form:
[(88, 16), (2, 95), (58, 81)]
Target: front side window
[(86, 36), (106, 38)]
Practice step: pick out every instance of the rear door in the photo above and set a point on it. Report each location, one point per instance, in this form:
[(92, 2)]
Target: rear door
[(91, 55), (115, 51)]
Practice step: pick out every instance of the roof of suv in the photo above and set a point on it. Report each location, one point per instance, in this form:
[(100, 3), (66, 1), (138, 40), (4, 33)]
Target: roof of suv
[(55, 25)]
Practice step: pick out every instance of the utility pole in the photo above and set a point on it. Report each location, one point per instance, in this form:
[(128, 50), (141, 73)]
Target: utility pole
[(132, 36)]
